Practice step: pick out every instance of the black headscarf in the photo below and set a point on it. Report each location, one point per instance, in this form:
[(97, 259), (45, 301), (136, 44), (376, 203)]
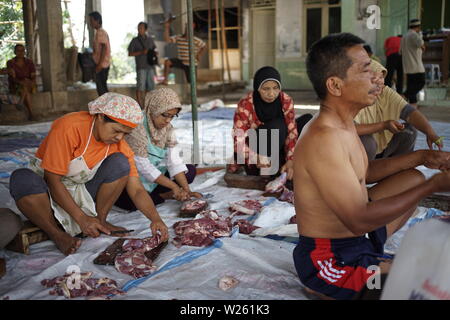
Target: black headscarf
[(266, 111)]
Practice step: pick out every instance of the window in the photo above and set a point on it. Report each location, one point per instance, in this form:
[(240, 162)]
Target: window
[(321, 18), (435, 15)]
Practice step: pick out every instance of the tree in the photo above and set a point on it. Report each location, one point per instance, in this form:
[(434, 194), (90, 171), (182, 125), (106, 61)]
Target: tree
[(11, 29), (122, 65)]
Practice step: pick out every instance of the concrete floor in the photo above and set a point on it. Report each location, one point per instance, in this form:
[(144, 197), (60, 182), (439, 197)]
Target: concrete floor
[(305, 101)]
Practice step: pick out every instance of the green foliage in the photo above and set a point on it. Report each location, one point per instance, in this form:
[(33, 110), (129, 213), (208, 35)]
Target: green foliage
[(10, 11), (122, 66)]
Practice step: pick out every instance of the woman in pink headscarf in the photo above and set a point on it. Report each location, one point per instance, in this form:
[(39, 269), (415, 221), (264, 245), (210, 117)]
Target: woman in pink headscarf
[(80, 169)]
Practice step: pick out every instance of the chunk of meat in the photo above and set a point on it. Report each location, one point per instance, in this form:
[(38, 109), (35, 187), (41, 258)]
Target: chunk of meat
[(287, 196), (245, 227), (81, 285), (190, 208), (200, 232), (293, 220), (246, 207), (277, 184), (134, 261), (227, 282), (108, 256)]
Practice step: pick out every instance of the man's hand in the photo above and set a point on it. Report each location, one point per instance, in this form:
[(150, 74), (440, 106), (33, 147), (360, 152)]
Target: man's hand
[(393, 126), (434, 159), (160, 227), (98, 68), (433, 138), (92, 227), (288, 167)]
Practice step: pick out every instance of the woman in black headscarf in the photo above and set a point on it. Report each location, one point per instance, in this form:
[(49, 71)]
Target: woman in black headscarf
[(265, 112)]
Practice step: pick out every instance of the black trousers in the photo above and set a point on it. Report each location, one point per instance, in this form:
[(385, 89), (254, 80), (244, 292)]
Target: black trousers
[(100, 81), (177, 63), (414, 83), (394, 65)]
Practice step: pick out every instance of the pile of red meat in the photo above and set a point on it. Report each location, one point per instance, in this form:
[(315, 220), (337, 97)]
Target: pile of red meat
[(132, 256), (133, 260), (202, 231), (81, 285)]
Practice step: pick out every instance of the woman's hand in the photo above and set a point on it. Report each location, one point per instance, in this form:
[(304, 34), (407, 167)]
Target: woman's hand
[(288, 167), (160, 227), (179, 194), (92, 227)]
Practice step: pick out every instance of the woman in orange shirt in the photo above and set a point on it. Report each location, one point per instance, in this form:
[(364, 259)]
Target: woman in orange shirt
[(79, 171)]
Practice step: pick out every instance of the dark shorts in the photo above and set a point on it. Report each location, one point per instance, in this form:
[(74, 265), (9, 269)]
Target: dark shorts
[(338, 268), (25, 182)]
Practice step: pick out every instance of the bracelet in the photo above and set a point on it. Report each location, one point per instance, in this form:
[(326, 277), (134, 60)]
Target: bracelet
[(439, 141)]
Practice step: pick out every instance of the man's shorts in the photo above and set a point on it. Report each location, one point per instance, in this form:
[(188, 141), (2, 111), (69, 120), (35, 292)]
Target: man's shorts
[(338, 268), (145, 79)]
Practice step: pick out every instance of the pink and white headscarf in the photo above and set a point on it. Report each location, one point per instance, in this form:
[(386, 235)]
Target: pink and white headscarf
[(118, 107)]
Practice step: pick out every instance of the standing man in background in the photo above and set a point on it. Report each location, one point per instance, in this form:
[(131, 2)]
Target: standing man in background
[(145, 73), (411, 48), (102, 53), (182, 41), (394, 62)]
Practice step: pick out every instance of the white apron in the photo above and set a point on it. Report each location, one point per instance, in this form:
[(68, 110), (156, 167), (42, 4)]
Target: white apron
[(77, 176)]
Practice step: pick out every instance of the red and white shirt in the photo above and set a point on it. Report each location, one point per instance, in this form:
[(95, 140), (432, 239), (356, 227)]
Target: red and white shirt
[(245, 118)]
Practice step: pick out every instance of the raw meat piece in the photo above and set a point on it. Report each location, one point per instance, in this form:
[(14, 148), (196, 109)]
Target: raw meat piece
[(208, 214), (108, 256), (244, 207), (277, 184), (152, 249), (190, 208), (81, 285), (154, 253), (227, 282), (293, 220), (133, 260), (287, 196), (134, 263), (132, 256), (200, 232), (245, 227)]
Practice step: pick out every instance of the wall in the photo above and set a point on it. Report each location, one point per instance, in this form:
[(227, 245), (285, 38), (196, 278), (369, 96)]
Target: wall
[(289, 32)]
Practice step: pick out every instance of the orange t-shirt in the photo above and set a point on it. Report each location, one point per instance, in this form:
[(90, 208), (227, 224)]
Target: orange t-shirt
[(67, 140)]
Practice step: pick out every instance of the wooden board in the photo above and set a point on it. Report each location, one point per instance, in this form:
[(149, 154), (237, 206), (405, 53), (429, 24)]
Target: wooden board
[(243, 181), (28, 235)]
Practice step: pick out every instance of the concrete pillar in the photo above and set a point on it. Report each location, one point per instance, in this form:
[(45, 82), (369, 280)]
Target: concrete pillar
[(52, 45), (92, 5), (28, 27)]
